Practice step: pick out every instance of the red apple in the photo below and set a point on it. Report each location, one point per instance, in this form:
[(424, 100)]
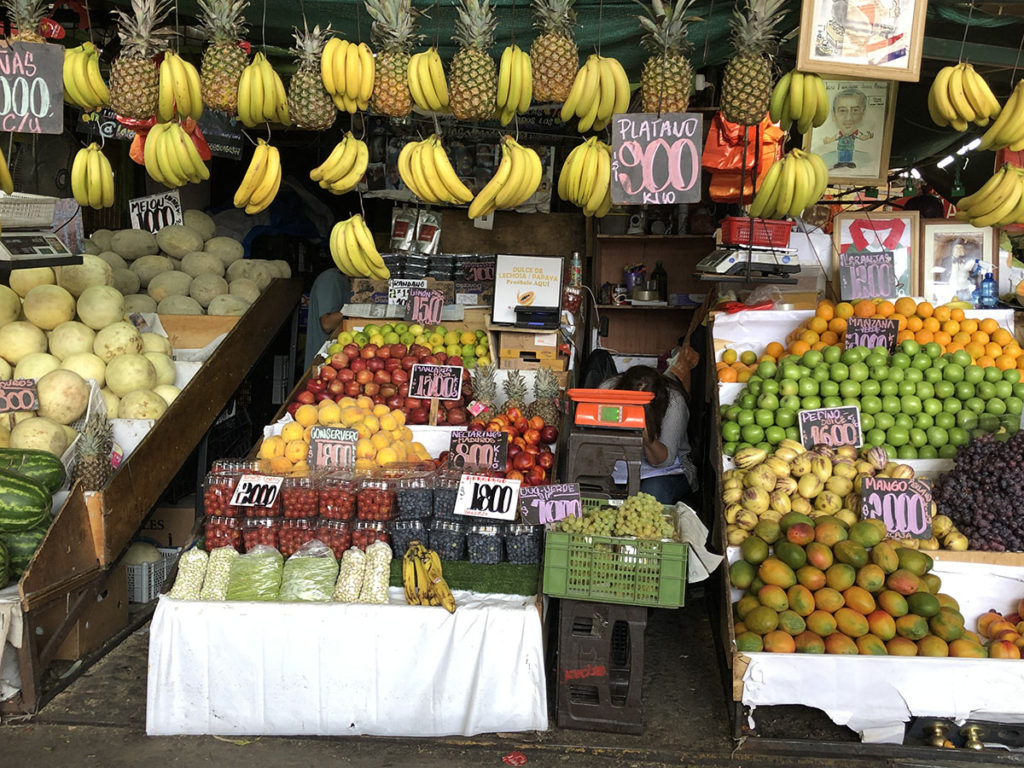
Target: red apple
[(548, 434), (293, 407), (422, 352), (369, 351), (400, 376), (371, 388), (412, 403), (393, 364), (403, 387), (521, 424), (375, 364), (336, 387), (339, 360), (395, 402), (428, 360), (364, 376), (399, 350), (384, 352), (327, 373), (305, 397), (409, 361), (358, 364), (457, 415), (545, 460), (514, 450), (352, 350), (418, 416), (346, 374), (382, 377), (378, 399), (388, 390), (323, 396), (454, 360), (353, 388), (316, 386)]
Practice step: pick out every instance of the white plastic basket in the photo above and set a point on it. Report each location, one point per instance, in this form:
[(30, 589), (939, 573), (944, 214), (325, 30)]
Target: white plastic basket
[(146, 579), (24, 211)]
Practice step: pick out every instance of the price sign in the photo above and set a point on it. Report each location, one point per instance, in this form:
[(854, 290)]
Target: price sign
[(332, 447), (20, 395), (104, 123), (31, 88), (871, 332), (478, 271), (475, 448), (222, 134), (256, 491), (155, 212), (541, 504), (441, 381), (424, 306), (491, 497), (903, 504), (656, 160), (830, 426), (398, 290), (867, 275)]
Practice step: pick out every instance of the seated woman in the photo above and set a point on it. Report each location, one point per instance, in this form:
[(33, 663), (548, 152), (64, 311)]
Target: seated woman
[(666, 471)]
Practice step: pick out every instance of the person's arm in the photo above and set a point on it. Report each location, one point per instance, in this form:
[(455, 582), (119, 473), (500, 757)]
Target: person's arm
[(665, 449), (330, 321), (654, 450)]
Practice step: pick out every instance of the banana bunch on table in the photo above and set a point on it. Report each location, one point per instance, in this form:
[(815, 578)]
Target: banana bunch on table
[(999, 202), (92, 179), (600, 90), (179, 89), (791, 185), (83, 83), (426, 81), (344, 167), (800, 98), (586, 175), (353, 250), (515, 83), (261, 94), (261, 181), (171, 157), (423, 579), (959, 95)]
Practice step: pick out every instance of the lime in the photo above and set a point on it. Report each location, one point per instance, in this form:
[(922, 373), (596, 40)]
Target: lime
[(763, 418), (767, 369), (808, 387), (906, 452), (897, 436), (913, 374), (953, 372), (745, 417), (927, 452), (785, 417), (850, 388), (974, 374), (918, 437), (1011, 375), (790, 402), (775, 435), (931, 406), (879, 372), (831, 389), (944, 389), (905, 388), (921, 361), (933, 349), (884, 420), (752, 433), (730, 431), (867, 421), (986, 390), (903, 421), (924, 390), (831, 402), (891, 404), (993, 374), (870, 404), (875, 437), (859, 372), (810, 402), (811, 358), (876, 359), (910, 347), (958, 436), (768, 402), (975, 404), (937, 437), (839, 372), (924, 420), (964, 391), (996, 406), (1014, 405), (832, 354), (889, 387), (947, 452), (900, 360), (788, 387), (770, 387)]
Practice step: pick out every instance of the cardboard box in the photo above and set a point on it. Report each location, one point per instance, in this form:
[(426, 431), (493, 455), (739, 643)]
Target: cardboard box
[(558, 366), (528, 346), (101, 620), (170, 526), (366, 291)]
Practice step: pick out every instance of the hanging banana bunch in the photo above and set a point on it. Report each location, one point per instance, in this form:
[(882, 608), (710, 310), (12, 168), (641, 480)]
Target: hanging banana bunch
[(515, 83), (344, 167), (171, 157), (514, 182), (83, 83), (999, 202), (791, 185), (586, 177), (353, 250), (347, 70), (179, 90), (600, 90), (261, 94), (959, 95), (426, 81), (800, 98), (92, 179), (261, 181), (426, 170)]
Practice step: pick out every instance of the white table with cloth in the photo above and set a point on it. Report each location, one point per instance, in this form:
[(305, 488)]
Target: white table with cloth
[(332, 669)]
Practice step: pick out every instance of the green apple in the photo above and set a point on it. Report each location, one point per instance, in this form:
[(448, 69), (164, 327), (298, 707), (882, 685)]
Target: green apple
[(407, 339), (345, 337), (480, 350), (437, 348), (452, 337), (370, 329), (361, 339), (453, 349), (416, 329), (377, 339), (467, 350), (335, 348), (392, 338), (401, 328), (435, 339), (421, 339), (386, 329)]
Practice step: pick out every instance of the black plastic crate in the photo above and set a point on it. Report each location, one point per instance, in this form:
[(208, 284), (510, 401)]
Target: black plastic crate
[(600, 667)]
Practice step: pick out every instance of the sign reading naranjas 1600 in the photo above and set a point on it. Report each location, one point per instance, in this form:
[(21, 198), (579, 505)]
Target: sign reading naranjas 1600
[(656, 160)]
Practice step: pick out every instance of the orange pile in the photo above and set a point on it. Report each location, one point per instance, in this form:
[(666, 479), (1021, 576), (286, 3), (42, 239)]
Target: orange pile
[(740, 367)]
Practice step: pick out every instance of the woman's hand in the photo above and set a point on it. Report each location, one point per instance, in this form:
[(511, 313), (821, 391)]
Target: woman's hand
[(655, 451)]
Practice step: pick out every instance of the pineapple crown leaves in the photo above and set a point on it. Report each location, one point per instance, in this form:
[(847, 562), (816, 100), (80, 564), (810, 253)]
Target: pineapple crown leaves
[(222, 20), (476, 24), (136, 29), (665, 26), (310, 44), (753, 27), (393, 28), (25, 15), (554, 17)]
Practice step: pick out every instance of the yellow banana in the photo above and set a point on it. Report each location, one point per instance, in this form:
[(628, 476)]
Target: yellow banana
[(366, 244), (367, 72), (94, 171), (796, 96), (316, 174), (593, 101), (483, 203), (353, 71), (80, 75), (339, 60), (771, 178), (984, 206), (149, 154), (71, 94), (599, 188), (267, 76), (787, 185), (172, 178), (966, 203), (933, 110), (339, 251), (348, 182), (974, 90), (405, 168), (449, 178), (267, 190), (352, 249), (606, 104), (79, 173), (201, 170), (1007, 204), (425, 157), (244, 101), (427, 83), (803, 186), (580, 86), (821, 110), (176, 149), (1017, 214), (1013, 130), (957, 97), (165, 103), (504, 76), (182, 95), (575, 186), (820, 176), (436, 69), (327, 66), (99, 88), (414, 83), (940, 87), (810, 98), (536, 172), (253, 174), (517, 83), (106, 180), (194, 89), (780, 95), (587, 175), (516, 176), (257, 94), (622, 93), (565, 172)]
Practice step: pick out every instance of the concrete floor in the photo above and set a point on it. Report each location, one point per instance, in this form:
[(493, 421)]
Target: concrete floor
[(100, 720)]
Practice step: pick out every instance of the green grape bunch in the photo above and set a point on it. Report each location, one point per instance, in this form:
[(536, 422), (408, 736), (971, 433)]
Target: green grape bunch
[(639, 516)]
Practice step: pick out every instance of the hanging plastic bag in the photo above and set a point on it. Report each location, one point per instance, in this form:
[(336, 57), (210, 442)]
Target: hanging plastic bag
[(309, 574), (729, 159), (256, 575)]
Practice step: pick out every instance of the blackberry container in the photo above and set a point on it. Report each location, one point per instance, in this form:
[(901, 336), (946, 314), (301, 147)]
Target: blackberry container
[(446, 489), (523, 543), (485, 544), (448, 539), (404, 533)]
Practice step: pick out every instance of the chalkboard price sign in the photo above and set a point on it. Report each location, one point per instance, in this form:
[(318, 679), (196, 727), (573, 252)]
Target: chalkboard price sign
[(474, 448), (871, 332), (154, 212), (443, 382), (903, 504), (332, 447), (492, 497), (542, 504), (656, 160), (830, 426), (867, 275), (424, 306), (18, 395), (31, 88)]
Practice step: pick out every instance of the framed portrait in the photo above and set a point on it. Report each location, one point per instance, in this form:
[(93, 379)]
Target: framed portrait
[(855, 139), (874, 236), (949, 250), (862, 38)]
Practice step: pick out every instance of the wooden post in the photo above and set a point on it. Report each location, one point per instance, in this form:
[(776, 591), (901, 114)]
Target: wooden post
[(432, 416)]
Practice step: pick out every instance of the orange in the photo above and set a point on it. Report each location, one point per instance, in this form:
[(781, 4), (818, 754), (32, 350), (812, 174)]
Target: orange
[(942, 313), (956, 314), (1013, 350), (975, 350), (993, 350), (961, 337), (844, 310), (775, 349), (989, 326), (1005, 362), (954, 347), (904, 335), (931, 324), (943, 338), (885, 308), (914, 323), (906, 306), (864, 308), (985, 361), (925, 309), (818, 345), (744, 376), (837, 325), (810, 337), (728, 374), (1001, 336), (923, 337), (826, 310), (951, 327), (818, 324), (980, 337), (830, 337), (900, 320), (799, 347), (720, 365), (969, 324)]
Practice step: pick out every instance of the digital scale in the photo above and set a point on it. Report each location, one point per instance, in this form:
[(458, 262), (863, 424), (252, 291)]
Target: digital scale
[(609, 408), (733, 260), (26, 240), (541, 318)]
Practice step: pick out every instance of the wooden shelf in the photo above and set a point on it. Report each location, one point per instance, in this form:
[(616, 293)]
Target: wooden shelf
[(609, 236), (602, 307)]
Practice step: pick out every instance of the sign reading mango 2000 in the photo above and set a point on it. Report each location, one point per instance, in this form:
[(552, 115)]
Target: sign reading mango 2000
[(656, 160), (443, 382)]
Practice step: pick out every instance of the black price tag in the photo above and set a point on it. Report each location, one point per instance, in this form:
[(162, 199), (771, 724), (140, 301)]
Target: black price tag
[(491, 497), (424, 306), (868, 275), (18, 395), (542, 504), (333, 447), (31, 88), (656, 160), (903, 504), (872, 332), (830, 426), (478, 449), (256, 491), (441, 381), (478, 271), (222, 134), (154, 212)]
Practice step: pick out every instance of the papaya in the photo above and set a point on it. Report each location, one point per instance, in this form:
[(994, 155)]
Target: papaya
[(828, 600), (884, 556), (851, 623), (791, 623), (871, 578), (773, 596), (829, 532), (930, 645), (819, 555), (933, 582), (840, 576), (778, 641), (865, 534), (869, 645), (761, 620), (809, 642), (767, 530), (901, 646), (748, 642), (893, 603), (913, 560), (745, 605), (882, 625), (839, 643), (741, 573), (791, 554), (754, 550), (859, 599), (903, 581), (801, 601), (851, 553), (810, 577), (774, 571), (923, 604), (964, 648), (821, 623), (912, 626)]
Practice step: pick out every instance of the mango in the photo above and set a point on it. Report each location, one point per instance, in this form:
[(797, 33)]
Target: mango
[(801, 600), (869, 645), (792, 518), (933, 582), (778, 641), (882, 624), (859, 600), (800, 533), (923, 604), (884, 556), (748, 642), (903, 581), (893, 603), (741, 573), (840, 576), (755, 585), (930, 645), (851, 553), (774, 571), (851, 623), (761, 620), (946, 627), (773, 596), (829, 600), (972, 636), (865, 534), (829, 532), (821, 623), (871, 578), (809, 642), (754, 550), (946, 601), (739, 628), (811, 577), (911, 626), (879, 524), (838, 643), (791, 623), (767, 530), (745, 605), (901, 646), (913, 560), (819, 555), (791, 554), (964, 648)]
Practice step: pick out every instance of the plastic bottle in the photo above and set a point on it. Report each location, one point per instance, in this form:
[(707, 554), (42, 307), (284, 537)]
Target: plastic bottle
[(659, 281), (976, 276), (575, 270), (989, 295)]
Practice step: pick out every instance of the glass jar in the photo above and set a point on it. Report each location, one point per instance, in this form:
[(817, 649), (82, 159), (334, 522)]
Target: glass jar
[(295, 533), (523, 543), (366, 532), (336, 534), (234, 466), (261, 531), (448, 539), (405, 532), (338, 496), (221, 531), (485, 544), (299, 497)]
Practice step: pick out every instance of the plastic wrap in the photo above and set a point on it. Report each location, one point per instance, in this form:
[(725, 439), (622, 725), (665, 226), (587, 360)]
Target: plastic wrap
[(485, 544), (523, 543), (218, 573), (378, 574), (350, 576), (191, 572), (256, 575), (404, 532), (310, 574)]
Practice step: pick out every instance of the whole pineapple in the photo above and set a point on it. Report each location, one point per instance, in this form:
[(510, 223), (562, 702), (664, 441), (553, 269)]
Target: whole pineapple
[(134, 80), (224, 59), (747, 80), (485, 390), (309, 103), (666, 79), (515, 390), (25, 16), (553, 55), (394, 35), (473, 83), (546, 403), (94, 447)]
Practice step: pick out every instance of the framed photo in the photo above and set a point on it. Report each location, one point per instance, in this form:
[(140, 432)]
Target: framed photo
[(879, 234), (855, 139), (949, 250), (868, 38)]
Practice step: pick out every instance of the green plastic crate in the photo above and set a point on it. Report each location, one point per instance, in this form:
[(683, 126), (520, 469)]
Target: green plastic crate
[(614, 569)]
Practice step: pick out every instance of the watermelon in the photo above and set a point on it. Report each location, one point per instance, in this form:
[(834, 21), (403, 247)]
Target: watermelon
[(5, 564), (41, 466), (21, 546), (24, 503)]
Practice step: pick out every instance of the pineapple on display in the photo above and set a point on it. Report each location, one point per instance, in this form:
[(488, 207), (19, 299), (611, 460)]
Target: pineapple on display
[(223, 25), (485, 390), (515, 390), (546, 402), (394, 36), (473, 82), (666, 79), (25, 15), (553, 55), (747, 80), (134, 79), (309, 103), (94, 447)]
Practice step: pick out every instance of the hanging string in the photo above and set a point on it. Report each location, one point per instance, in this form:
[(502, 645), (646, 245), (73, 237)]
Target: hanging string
[(437, 24), (513, 22), (600, 24), (967, 26), (245, 133), (707, 31), (177, 27), (1016, 63), (263, 31)]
